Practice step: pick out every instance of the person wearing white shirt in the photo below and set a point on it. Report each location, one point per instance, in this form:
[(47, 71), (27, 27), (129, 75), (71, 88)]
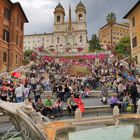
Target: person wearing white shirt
[(19, 94), (33, 83), (26, 92)]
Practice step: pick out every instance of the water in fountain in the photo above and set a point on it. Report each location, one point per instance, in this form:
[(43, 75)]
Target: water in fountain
[(109, 133)]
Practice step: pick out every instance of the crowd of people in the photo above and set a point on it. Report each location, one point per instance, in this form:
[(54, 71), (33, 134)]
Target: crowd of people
[(50, 76)]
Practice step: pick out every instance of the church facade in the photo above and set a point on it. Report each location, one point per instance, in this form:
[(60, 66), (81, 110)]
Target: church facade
[(68, 35)]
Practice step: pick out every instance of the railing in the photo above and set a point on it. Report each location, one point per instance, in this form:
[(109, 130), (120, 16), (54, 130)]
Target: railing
[(124, 63), (17, 70)]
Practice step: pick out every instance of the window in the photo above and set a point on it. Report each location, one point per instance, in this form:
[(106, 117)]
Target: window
[(21, 42), (80, 17), (4, 57), (16, 39), (7, 13), (17, 20), (81, 39), (133, 21), (134, 42), (114, 43), (58, 40), (21, 25), (136, 59), (16, 59), (5, 35), (58, 18)]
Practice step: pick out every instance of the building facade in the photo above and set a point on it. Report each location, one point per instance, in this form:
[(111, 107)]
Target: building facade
[(134, 18), (66, 34), (12, 19), (118, 32)]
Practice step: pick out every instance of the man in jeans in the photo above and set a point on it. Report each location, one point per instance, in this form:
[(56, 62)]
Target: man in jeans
[(19, 93)]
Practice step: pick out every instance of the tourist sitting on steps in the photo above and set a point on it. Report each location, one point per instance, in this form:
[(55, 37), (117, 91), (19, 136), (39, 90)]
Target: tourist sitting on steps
[(115, 101), (127, 102), (30, 101), (72, 106), (39, 106), (49, 107), (58, 107), (79, 102)]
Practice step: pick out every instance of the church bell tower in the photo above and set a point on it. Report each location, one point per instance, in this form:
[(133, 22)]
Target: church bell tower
[(80, 12), (59, 14)]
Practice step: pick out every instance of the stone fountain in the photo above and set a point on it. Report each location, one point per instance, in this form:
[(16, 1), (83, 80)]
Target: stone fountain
[(32, 126)]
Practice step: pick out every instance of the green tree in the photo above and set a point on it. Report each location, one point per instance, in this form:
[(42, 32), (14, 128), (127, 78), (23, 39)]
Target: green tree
[(124, 46), (111, 20), (28, 53), (94, 43)]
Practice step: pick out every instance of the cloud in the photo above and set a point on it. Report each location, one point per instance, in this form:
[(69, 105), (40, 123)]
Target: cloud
[(40, 13)]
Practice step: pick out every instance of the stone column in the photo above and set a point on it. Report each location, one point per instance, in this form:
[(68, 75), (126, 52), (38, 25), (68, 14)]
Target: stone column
[(136, 131), (116, 111), (138, 108), (78, 114)]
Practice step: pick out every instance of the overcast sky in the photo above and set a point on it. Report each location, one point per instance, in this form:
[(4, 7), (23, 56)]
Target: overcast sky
[(41, 19)]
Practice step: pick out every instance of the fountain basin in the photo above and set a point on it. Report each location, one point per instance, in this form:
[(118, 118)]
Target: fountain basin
[(106, 133), (131, 119)]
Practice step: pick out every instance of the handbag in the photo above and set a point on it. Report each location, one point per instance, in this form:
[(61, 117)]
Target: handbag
[(129, 108)]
